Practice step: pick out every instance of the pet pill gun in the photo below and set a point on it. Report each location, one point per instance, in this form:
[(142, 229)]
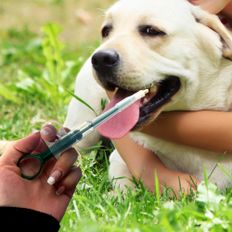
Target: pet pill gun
[(28, 162)]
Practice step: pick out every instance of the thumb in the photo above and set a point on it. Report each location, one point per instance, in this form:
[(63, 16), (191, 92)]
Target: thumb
[(21, 147)]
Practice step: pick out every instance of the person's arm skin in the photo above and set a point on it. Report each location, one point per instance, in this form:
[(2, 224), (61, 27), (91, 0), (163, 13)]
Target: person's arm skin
[(208, 130), (214, 6), (144, 164), (37, 194), (227, 11)]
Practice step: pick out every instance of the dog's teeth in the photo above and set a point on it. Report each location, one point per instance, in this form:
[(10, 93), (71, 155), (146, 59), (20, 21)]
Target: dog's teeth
[(145, 100), (153, 89)]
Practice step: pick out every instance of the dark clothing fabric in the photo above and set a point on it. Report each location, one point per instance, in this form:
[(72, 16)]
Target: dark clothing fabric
[(23, 220)]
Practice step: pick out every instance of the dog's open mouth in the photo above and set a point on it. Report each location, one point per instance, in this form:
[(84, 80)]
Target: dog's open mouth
[(141, 111)]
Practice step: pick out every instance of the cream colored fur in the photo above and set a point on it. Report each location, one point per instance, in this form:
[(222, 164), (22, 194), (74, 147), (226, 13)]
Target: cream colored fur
[(197, 48)]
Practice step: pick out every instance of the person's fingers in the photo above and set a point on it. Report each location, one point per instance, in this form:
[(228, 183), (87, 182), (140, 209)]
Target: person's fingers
[(62, 166), (22, 146), (33, 143), (68, 184), (48, 133)]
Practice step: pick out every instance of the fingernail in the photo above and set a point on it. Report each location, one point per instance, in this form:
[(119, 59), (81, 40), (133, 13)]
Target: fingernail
[(45, 131), (60, 190), (54, 177)]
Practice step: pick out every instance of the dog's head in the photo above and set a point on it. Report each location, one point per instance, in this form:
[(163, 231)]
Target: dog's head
[(159, 45)]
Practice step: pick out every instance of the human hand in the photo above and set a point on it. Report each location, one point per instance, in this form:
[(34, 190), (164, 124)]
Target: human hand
[(211, 6), (38, 194)]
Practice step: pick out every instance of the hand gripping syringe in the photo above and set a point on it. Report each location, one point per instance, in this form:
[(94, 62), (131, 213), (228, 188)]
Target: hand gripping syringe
[(35, 162)]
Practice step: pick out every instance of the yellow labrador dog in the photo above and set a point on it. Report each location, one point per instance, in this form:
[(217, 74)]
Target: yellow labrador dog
[(182, 54)]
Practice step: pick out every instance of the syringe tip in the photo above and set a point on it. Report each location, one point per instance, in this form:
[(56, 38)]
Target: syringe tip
[(140, 94), (146, 91)]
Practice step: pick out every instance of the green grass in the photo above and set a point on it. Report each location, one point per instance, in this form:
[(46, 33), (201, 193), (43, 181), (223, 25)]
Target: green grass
[(37, 74)]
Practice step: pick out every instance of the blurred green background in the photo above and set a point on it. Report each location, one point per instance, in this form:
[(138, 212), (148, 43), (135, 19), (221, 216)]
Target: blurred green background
[(43, 44), (80, 19)]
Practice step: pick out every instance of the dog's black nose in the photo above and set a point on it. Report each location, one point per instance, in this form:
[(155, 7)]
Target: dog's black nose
[(106, 63), (105, 60)]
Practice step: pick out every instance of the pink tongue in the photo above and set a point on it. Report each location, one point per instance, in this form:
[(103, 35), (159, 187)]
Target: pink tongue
[(121, 123)]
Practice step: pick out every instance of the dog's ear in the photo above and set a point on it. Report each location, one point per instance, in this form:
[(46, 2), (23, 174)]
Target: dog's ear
[(214, 23)]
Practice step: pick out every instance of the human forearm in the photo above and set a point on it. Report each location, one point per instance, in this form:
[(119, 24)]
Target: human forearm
[(144, 164), (208, 130), (227, 11), (134, 155)]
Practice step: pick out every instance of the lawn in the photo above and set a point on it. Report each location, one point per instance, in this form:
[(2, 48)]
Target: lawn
[(38, 65)]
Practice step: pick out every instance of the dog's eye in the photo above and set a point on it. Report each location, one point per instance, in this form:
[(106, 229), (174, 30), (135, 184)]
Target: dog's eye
[(147, 30), (106, 31)]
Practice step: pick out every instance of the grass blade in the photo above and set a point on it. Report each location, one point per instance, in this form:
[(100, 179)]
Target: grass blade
[(224, 171), (157, 188), (7, 94), (82, 101)]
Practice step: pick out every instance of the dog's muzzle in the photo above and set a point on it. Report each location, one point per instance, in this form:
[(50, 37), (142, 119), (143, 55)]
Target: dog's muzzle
[(105, 64)]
